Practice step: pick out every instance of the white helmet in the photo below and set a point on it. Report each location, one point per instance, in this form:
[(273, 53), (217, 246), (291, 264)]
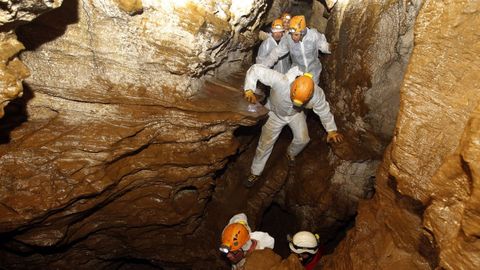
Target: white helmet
[(304, 241)]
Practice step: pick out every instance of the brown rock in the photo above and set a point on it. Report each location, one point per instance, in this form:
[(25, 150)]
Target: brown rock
[(15, 13), (125, 133), (266, 259), (422, 215), (130, 6), (12, 70)]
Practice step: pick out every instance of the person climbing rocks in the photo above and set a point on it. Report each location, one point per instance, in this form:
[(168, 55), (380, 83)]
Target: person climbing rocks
[(283, 64), (307, 248), (238, 240), (289, 97), (303, 44)]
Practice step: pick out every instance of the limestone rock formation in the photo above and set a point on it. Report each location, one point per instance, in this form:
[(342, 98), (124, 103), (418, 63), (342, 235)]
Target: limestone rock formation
[(371, 45), (15, 12), (12, 71), (112, 152), (317, 20), (425, 212)]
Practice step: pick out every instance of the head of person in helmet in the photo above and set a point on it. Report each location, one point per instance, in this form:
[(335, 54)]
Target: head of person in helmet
[(286, 17), (301, 90), (277, 30), (298, 28), (305, 245), (235, 242)]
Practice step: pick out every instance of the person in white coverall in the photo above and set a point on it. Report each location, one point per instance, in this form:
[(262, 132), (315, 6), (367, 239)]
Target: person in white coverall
[(238, 240), (289, 96), (282, 65), (303, 45)]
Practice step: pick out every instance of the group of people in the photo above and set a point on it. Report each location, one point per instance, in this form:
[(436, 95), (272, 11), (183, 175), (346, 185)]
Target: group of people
[(288, 63), (247, 250), (292, 49)]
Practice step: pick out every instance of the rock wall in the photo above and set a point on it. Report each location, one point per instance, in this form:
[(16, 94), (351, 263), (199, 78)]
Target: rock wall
[(12, 71), (425, 212), (371, 44), (112, 151)]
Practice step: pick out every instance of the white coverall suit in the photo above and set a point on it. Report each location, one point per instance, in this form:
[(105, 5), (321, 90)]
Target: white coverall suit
[(264, 240), (282, 112), (283, 64), (304, 54)]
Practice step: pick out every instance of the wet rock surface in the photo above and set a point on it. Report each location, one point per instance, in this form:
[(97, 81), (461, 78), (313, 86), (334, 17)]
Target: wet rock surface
[(110, 155), (422, 215), (115, 156), (371, 44)]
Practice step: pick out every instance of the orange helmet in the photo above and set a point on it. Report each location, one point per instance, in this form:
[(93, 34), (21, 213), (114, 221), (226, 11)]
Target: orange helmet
[(234, 236), (277, 25), (301, 89), (298, 24), (286, 16)]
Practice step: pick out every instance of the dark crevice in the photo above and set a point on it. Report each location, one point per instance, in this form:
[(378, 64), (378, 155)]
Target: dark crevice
[(15, 115), (410, 204), (279, 223), (427, 247), (49, 26)]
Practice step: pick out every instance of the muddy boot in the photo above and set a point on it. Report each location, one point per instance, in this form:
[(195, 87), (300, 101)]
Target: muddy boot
[(250, 181)]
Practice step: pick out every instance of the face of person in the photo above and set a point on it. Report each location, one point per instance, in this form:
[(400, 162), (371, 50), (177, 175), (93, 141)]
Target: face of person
[(235, 256), (296, 37), (286, 24), (277, 35)]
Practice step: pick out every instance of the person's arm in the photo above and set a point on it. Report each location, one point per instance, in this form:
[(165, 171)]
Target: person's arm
[(260, 73), (262, 35), (263, 51), (240, 218), (322, 43), (321, 108), (279, 51), (263, 74)]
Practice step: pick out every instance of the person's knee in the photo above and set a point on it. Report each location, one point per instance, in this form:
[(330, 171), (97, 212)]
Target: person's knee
[(305, 140), (302, 140)]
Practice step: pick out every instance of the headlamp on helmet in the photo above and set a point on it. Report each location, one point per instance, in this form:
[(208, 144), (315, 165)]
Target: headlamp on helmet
[(277, 26), (286, 16), (224, 249), (298, 24), (234, 236)]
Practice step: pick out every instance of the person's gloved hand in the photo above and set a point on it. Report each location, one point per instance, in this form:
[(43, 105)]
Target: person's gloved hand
[(262, 35), (250, 96), (334, 136)]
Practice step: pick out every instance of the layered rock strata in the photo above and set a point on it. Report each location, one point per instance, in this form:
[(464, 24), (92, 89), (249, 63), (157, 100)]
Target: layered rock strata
[(112, 152), (425, 212)]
